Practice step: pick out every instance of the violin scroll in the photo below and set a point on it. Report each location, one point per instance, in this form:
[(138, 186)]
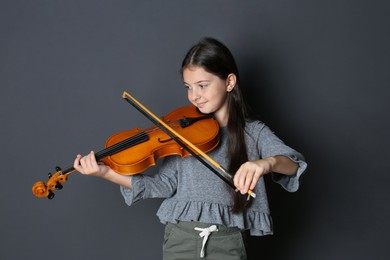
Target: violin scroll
[(41, 190)]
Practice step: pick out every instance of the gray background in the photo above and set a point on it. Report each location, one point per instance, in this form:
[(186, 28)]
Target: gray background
[(315, 70)]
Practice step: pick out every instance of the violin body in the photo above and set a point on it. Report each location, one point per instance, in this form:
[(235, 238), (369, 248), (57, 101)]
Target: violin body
[(202, 133)]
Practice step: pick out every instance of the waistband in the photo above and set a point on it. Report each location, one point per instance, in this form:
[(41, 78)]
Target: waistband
[(189, 227)]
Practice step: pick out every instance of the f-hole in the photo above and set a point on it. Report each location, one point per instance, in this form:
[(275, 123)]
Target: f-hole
[(164, 141)]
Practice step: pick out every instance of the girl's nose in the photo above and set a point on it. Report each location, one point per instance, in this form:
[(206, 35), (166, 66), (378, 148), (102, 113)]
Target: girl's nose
[(195, 94)]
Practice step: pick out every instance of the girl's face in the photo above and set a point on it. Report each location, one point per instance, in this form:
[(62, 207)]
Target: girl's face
[(208, 92)]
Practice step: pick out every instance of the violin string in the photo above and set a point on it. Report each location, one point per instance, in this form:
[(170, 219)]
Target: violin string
[(124, 144), (129, 142)]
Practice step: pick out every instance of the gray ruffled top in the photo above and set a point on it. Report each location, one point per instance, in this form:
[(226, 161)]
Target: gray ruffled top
[(194, 193)]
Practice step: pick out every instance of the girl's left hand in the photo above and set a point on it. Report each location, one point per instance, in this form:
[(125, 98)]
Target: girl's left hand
[(249, 174)]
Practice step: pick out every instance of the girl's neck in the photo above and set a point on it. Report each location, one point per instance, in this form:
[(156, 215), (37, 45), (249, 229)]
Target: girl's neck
[(222, 114), (222, 118)]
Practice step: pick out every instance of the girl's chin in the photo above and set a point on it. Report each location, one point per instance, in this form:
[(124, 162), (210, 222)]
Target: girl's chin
[(205, 110)]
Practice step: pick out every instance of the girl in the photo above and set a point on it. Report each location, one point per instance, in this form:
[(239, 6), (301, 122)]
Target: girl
[(204, 217)]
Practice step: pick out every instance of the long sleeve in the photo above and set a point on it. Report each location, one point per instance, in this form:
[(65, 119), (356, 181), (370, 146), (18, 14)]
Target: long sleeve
[(161, 185), (270, 145)]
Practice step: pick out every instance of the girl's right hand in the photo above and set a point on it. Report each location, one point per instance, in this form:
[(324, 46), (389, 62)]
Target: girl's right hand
[(87, 165)]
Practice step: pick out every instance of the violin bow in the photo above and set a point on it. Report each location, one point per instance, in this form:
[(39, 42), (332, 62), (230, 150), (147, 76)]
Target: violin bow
[(206, 160)]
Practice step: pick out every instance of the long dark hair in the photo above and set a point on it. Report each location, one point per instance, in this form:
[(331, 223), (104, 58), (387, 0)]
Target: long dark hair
[(214, 57)]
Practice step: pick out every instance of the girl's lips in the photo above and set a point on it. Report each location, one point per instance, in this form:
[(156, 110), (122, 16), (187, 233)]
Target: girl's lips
[(200, 105)]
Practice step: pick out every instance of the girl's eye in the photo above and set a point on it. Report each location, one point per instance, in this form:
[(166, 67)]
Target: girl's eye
[(203, 85), (187, 87)]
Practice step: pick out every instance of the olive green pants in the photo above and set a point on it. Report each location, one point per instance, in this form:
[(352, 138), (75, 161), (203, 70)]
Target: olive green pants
[(182, 241)]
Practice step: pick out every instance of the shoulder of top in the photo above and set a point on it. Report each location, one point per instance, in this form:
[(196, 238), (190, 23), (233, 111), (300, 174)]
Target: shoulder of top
[(254, 125)]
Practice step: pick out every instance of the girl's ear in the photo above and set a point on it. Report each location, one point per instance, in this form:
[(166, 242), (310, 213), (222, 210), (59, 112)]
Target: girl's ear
[(231, 82)]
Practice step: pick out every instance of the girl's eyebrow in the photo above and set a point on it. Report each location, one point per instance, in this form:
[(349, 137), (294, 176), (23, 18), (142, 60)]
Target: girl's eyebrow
[(200, 81)]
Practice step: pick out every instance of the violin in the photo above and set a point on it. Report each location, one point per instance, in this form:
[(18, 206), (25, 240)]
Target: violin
[(133, 151)]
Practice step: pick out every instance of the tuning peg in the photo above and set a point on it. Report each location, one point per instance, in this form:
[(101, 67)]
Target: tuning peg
[(49, 174), (51, 195), (58, 168), (58, 186)]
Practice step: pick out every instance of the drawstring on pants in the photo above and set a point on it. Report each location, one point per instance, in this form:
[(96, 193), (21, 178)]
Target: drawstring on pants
[(205, 234)]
